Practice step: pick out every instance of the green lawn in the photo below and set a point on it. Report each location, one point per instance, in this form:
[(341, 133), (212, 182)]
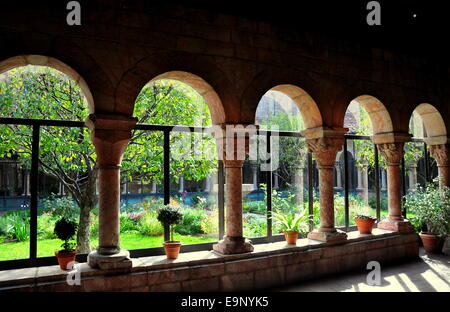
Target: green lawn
[(47, 247)]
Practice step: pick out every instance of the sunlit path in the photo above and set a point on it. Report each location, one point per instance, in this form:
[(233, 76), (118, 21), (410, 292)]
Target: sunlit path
[(429, 274)]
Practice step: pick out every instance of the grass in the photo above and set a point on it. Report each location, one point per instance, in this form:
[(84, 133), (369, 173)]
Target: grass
[(47, 247)]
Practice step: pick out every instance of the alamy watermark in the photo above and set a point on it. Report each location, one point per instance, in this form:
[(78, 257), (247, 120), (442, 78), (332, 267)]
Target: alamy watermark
[(233, 142)]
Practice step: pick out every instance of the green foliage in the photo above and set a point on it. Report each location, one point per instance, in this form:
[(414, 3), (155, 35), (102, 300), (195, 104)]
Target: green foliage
[(61, 207), (65, 230), (292, 222), (431, 206), (191, 223), (46, 224), (14, 225), (149, 225), (210, 224)]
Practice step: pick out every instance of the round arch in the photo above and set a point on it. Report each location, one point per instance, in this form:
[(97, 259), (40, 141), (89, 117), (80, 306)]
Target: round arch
[(211, 97), (308, 108), (41, 60), (379, 115), (432, 120)]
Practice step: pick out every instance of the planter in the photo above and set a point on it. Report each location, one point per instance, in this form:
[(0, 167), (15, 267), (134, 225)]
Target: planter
[(291, 237), (365, 225), (431, 243), (172, 249), (64, 258)]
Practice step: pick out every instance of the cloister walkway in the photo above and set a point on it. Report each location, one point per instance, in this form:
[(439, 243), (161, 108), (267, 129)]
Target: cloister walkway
[(431, 273)]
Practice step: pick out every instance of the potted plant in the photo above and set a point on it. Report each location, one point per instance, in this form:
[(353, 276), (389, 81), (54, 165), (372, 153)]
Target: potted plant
[(65, 230), (292, 225), (431, 207), (169, 216), (364, 223)]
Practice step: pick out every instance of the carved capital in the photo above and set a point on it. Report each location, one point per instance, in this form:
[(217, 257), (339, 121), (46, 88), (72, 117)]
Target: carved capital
[(325, 150), (441, 154), (110, 136), (392, 152), (233, 141)]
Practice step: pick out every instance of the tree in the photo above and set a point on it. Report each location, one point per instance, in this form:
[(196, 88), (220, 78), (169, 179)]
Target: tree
[(68, 155)]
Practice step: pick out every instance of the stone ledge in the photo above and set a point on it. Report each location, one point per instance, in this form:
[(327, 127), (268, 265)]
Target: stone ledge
[(222, 270)]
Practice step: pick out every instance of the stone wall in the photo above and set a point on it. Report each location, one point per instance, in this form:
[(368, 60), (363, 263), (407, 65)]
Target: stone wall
[(270, 265)]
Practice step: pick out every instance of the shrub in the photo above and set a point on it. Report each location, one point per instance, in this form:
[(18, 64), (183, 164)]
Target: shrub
[(65, 230), (15, 225), (169, 216), (210, 223), (255, 226), (46, 224), (191, 222), (149, 225), (431, 205), (127, 224), (62, 207), (255, 206)]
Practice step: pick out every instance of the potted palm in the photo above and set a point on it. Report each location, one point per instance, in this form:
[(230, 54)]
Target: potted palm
[(169, 216), (65, 230), (431, 208), (364, 223), (292, 225)]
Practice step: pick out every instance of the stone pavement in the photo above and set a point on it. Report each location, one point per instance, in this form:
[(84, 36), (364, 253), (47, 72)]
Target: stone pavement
[(429, 274)]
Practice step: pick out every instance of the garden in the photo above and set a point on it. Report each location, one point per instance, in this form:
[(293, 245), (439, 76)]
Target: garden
[(140, 228)]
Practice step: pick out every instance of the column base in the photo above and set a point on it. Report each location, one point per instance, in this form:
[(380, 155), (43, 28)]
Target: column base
[(233, 245), (401, 226), (118, 261), (328, 237)]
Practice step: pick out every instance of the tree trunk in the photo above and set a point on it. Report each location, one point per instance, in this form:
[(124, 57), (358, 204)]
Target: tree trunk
[(88, 204), (84, 226)]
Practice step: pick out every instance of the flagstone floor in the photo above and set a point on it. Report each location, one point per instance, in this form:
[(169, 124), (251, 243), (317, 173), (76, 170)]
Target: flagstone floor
[(429, 274)]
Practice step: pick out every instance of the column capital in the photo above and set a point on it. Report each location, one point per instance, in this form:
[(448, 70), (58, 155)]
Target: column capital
[(325, 149), (441, 153), (392, 152), (233, 142), (110, 135)]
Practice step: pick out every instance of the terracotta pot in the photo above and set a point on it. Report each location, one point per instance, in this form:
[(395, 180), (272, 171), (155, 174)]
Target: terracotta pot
[(172, 249), (64, 257), (291, 237), (365, 225), (431, 243)]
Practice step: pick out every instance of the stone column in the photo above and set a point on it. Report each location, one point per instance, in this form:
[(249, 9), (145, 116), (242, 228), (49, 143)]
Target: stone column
[(383, 180), (153, 186), (325, 150), (275, 180), (233, 150), (338, 176), (441, 153), (255, 176), (393, 154), (110, 136), (300, 187), (181, 190), (412, 177)]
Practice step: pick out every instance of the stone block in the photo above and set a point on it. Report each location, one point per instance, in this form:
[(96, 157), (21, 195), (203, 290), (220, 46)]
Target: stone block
[(237, 282), (167, 287), (269, 277), (211, 270), (168, 275), (299, 272), (201, 285)]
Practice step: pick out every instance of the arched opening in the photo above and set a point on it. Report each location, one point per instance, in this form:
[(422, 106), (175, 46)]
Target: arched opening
[(34, 92), (167, 108), (365, 116), (285, 110), (426, 123)]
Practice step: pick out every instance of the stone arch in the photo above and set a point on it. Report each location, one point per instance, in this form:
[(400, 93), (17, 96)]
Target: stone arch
[(203, 88), (308, 108), (286, 82), (432, 120), (379, 115), (41, 60), (197, 71)]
